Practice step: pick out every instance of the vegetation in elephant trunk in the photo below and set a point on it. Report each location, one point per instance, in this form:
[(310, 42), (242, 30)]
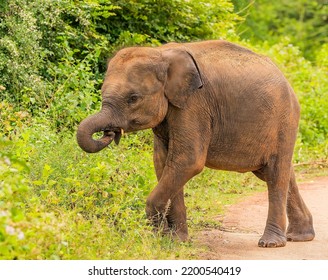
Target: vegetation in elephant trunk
[(93, 124)]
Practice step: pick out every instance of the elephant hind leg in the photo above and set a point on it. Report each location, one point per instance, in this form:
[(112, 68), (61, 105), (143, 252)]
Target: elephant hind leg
[(300, 226), (276, 175)]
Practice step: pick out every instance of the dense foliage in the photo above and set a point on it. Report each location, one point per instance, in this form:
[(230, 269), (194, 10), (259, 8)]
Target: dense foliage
[(304, 22), (53, 53), (56, 202)]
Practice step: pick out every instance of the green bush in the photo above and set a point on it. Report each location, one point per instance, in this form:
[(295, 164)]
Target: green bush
[(53, 53), (47, 47), (311, 86), (303, 21), (66, 204), (21, 56), (11, 120), (151, 21), (13, 190)]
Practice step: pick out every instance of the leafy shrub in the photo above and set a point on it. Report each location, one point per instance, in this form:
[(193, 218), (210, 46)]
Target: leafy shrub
[(53, 53), (11, 120), (322, 56), (21, 55), (311, 86), (303, 21), (38, 42), (13, 188), (63, 197), (169, 20)]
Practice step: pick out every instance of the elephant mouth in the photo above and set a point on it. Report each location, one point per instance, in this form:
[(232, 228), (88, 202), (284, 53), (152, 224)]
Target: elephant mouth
[(114, 134)]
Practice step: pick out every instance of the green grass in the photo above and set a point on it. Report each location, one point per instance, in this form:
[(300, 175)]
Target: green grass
[(57, 202), (91, 206)]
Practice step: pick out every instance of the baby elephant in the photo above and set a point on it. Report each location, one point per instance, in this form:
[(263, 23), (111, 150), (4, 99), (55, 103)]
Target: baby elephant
[(213, 104)]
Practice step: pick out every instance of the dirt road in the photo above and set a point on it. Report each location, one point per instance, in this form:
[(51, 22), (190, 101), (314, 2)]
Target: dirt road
[(244, 223)]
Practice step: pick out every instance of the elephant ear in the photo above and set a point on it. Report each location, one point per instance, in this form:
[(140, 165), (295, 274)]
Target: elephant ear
[(183, 76)]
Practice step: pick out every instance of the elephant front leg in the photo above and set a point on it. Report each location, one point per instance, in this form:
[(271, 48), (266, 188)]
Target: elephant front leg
[(173, 219), (176, 162), (165, 205)]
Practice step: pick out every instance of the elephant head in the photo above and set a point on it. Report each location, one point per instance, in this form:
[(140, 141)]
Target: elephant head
[(139, 86)]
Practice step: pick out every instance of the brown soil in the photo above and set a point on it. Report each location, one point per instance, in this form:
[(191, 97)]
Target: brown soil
[(243, 225)]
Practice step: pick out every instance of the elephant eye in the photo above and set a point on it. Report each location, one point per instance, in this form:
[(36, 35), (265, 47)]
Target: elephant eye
[(133, 98)]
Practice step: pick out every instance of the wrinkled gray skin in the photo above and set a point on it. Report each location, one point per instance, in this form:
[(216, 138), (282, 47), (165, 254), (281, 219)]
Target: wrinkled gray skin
[(211, 104)]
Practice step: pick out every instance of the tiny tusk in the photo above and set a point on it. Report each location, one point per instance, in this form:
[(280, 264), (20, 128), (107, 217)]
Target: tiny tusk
[(122, 131)]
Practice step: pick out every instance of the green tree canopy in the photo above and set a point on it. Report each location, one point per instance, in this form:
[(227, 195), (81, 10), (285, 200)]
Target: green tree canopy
[(305, 22)]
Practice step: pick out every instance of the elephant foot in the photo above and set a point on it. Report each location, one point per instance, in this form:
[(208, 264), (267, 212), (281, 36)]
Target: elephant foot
[(173, 231), (176, 235), (163, 225), (168, 218), (272, 241), (182, 236), (273, 238), (299, 234), (179, 232)]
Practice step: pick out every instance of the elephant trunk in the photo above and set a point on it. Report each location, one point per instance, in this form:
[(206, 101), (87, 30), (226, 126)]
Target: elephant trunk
[(89, 126)]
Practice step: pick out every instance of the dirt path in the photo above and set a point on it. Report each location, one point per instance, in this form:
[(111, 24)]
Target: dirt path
[(244, 223)]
